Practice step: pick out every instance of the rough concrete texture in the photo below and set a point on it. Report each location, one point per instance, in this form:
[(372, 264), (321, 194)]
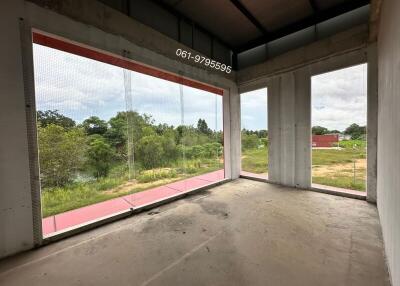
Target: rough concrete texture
[(93, 24), (388, 133), (240, 233), (15, 195), (289, 102)]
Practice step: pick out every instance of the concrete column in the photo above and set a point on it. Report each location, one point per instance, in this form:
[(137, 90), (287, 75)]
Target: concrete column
[(372, 123), (287, 120), (274, 130), (303, 128), (289, 125), (232, 134), (16, 228)]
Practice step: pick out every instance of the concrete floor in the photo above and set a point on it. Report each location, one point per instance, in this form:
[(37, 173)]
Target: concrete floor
[(241, 233)]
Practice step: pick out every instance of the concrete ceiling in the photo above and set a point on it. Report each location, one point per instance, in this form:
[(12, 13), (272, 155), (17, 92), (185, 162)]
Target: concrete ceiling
[(244, 24)]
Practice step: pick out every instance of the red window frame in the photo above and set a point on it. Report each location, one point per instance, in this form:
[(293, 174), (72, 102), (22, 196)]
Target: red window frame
[(84, 51)]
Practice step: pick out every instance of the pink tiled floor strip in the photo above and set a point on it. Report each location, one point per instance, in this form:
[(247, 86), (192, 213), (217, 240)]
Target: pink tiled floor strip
[(96, 211)]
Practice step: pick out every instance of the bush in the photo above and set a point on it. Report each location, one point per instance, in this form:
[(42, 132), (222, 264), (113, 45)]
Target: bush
[(170, 149), (353, 144), (264, 142), (156, 174), (249, 141), (150, 152), (100, 155)]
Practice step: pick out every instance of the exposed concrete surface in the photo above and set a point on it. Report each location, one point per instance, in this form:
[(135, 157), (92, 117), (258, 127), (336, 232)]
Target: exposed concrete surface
[(340, 43), (94, 14), (388, 190), (372, 122), (240, 233), (289, 111), (93, 24), (289, 120), (16, 232)]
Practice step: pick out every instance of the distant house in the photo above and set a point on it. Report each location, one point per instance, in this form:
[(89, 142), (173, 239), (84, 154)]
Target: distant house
[(344, 137), (330, 140)]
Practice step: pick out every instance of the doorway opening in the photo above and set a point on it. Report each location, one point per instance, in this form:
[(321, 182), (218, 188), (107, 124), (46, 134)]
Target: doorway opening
[(339, 131), (254, 133)]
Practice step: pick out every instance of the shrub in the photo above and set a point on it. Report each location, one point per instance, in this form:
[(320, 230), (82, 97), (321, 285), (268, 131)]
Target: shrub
[(264, 142), (156, 174), (149, 151), (169, 148), (249, 141), (100, 155)]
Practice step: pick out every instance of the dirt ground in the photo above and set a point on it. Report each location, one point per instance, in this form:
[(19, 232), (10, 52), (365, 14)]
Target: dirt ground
[(329, 170)]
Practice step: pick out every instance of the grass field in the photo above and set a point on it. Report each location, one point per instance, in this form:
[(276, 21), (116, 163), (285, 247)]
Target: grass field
[(255, 160), (80, 194), (330, 167), (344, 167)]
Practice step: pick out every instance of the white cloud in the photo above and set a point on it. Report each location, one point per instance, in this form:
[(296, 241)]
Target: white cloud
[(339, 98), (254, 109), (79, 87)]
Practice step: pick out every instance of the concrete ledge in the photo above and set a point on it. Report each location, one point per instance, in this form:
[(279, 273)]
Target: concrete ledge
[(338, 192), (317, 188), (117, 216), (255, 178)]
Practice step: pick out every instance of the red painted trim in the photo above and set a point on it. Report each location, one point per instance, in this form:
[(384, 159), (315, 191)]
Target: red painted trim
[(79, 50)]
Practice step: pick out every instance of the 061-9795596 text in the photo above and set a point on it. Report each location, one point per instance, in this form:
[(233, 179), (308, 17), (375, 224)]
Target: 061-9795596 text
[(203, 60)]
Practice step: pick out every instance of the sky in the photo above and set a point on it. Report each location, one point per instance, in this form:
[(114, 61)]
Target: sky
[(254, 109), (339, 98), (79, 88)]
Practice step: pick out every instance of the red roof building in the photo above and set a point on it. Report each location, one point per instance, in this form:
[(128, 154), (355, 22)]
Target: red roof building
[(331, 140)]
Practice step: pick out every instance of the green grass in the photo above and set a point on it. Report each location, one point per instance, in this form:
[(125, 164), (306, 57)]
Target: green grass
[(341, 181), (255, 160), (76, 195), (321, 157)]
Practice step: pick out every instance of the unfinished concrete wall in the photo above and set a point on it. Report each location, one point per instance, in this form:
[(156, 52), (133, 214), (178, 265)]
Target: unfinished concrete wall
[(16, 228), (289, 132), (288, 78), (93, 24), (388, 185)]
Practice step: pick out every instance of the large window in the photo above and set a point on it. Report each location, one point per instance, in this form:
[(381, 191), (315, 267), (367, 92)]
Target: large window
[(254, 133), (339, 114), (111, 139)]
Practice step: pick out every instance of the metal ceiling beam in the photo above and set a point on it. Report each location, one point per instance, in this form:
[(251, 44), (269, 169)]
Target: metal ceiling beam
[(249, 16), (320, 16)]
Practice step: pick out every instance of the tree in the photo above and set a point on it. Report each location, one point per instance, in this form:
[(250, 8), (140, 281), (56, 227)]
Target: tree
[(94, 125), (124, 125), (202, 127), (262, 133), (61, 154), (48, 117), (149, 151), (319, 130), (99, 155), (355, 131), (169, 146), (117, 132)]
